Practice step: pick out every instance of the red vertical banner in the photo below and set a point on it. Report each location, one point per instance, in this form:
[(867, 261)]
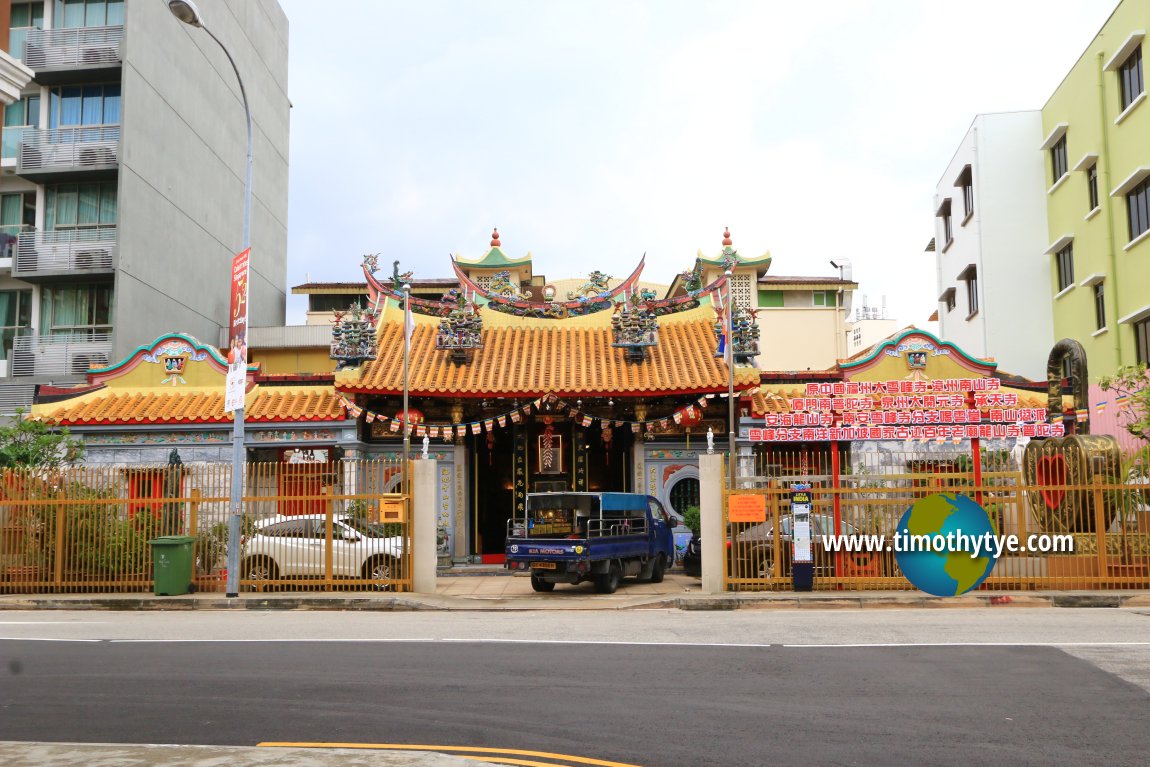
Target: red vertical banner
[(238, 334), (238, 316)]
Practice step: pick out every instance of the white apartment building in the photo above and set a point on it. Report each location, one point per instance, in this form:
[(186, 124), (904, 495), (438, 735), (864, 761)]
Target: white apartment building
[(990, 232)]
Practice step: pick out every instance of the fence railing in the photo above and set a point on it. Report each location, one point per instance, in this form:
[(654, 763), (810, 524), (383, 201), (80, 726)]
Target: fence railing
[(1082, 491), (82, 147), (65, 250), (73, 47), (60, 354), (305, 526)]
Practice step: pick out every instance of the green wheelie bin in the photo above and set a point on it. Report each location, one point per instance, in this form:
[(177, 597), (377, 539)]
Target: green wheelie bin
[(172, 564)]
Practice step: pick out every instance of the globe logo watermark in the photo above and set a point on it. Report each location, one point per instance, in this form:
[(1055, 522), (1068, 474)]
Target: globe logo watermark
[(946, 544)]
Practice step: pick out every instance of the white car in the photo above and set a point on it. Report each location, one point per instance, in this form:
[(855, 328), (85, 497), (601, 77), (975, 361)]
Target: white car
[(295, 547)]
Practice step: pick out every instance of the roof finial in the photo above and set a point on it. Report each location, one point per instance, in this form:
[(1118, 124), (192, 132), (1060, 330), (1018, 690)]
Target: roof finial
[(726, 236), (495, 237)]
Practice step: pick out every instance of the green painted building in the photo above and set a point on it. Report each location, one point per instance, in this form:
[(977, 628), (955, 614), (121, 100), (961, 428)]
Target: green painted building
[(1097, 146)]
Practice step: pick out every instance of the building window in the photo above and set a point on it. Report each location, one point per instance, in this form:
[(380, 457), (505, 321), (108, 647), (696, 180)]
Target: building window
[(944, 214), (951, 302), (17, 214), (1065, 258), (19, 115), (338, 302), (823, 298), (966, 181), (15, 318), (25, 18), (1092, 185), (1058, 159), (84, 105), (1142, 341), (771, 298), (84, 310), (1130, 77), (78, 206), (1138, 208), (88, 13), (970, 276), (1099, 306)]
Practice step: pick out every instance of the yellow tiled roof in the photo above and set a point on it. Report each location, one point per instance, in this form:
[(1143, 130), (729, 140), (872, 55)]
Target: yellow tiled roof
[(191, 406), (533, 358)]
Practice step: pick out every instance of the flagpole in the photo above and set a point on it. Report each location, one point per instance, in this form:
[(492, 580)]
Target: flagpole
[(406, 414), (730, 355)]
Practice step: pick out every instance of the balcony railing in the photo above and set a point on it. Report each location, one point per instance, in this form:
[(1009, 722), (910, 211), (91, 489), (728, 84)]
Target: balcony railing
[(85, 147), (65, 250), (82, 47), (64, 354)]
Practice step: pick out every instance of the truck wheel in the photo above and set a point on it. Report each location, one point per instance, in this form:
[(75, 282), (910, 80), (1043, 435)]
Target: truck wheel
[(658, 570), (538, 584), (608, 582)]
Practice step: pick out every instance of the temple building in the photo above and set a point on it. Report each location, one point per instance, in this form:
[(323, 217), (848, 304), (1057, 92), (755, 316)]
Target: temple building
[(516, 385)]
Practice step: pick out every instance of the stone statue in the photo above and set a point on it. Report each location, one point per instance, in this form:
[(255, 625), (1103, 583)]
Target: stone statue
[(710, 440)]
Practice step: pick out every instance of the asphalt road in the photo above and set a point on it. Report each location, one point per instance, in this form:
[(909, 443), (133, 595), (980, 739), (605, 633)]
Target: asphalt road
[(656, 689)]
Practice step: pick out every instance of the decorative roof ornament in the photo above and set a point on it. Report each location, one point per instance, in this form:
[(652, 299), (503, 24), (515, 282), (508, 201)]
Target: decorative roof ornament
[(729, 258), (502, 286), (635, 326), (399, 280), (693, 280), (353, 336), (495, 237), (371, 262), (461, 330), (595, 287), (744, 334)]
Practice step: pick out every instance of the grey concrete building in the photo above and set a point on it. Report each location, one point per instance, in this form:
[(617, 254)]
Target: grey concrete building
[(121, 180)]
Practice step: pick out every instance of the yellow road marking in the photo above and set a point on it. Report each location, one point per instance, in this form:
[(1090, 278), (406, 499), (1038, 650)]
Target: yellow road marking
[(499, 760), (473, 750)]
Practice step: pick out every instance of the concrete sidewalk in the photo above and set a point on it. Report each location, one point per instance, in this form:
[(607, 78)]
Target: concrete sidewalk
[(504, 592), (133, 755)]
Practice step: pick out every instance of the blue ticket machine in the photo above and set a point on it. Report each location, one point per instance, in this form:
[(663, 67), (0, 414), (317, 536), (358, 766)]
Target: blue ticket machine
[(802, 551)]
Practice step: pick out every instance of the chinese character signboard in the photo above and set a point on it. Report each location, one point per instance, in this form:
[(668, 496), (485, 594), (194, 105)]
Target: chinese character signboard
[(942, 409)]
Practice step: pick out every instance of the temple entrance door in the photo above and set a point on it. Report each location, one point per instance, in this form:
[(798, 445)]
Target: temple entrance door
[(300, 481), (493, 495), (609, 458)]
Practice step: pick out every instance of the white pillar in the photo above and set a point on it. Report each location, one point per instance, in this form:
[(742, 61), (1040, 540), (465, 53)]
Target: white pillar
[(14, 77), (424, 499), (711, 535)]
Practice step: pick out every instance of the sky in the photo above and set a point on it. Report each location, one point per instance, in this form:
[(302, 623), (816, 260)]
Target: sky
[(593, 132)]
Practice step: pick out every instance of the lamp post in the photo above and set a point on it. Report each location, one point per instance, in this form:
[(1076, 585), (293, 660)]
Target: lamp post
[(730, 354), (186, 11), (407, 331)]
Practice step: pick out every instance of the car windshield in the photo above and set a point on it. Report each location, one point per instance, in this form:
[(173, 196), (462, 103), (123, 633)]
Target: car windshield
[(369, 529)]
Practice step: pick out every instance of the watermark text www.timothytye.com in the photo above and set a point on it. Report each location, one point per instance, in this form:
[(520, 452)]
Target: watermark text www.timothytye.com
[(981, 545)]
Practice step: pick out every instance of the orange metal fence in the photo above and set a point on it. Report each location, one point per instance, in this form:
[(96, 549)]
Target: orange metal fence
[(1093, 497), (304, 526)]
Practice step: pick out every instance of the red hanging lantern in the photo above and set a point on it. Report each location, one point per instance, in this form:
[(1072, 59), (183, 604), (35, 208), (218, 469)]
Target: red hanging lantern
[(692, 416), (416, 416)]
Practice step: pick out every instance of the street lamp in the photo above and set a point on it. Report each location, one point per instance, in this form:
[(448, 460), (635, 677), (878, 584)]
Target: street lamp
[(186, 11), (730, 360)]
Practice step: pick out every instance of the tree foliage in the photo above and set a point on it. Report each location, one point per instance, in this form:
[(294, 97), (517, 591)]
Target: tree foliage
[(34, 444), (1132, 383)]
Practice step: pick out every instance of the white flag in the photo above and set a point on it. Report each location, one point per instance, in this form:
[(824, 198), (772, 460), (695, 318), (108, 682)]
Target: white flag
[(408, 320)]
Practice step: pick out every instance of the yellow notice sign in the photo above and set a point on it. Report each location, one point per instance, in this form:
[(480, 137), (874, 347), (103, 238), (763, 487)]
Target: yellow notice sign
[(747, 508)]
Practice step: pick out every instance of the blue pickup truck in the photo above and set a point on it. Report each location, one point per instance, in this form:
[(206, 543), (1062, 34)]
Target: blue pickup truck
[(603, 537)]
